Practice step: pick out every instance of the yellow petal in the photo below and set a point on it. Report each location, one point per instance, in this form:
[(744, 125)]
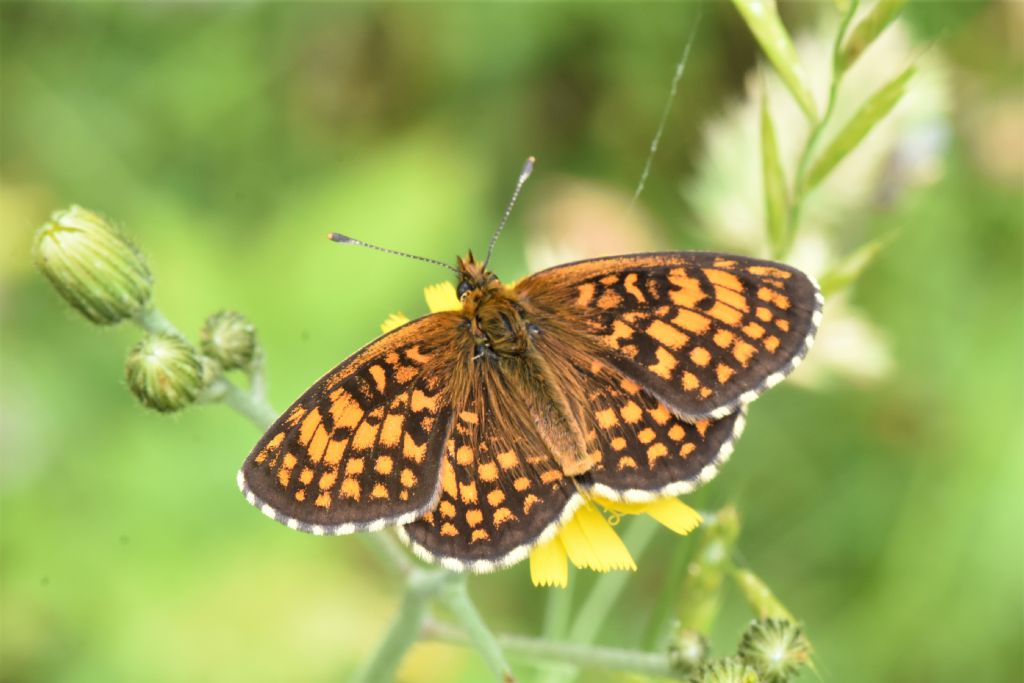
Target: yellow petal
[(549, 565), (576, 544), (393, 322), (442, 297), (670, 512), (674, 514), (591, 543), (621, 506)]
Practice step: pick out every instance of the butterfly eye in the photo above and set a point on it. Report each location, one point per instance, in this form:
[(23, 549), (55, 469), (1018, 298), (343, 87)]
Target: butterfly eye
[(463, 289)]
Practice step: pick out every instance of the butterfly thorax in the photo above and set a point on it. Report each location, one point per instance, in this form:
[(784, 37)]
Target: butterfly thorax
[(499, 321), (495, 315)]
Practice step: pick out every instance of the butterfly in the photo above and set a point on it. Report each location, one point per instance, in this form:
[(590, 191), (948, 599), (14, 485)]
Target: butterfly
[(478, 432)]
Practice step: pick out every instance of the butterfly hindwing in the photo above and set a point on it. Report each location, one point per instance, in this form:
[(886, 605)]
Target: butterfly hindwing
[(500, 494), (643, 451), (362, 448), (705, 333)]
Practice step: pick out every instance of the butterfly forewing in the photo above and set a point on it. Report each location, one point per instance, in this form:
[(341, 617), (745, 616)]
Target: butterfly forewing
[(705, 333), (363, 446)]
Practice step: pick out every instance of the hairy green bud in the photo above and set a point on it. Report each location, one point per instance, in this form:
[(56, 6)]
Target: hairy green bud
[(688, 650), (229, 338), (210, 370), (726, 670), (164, 372), (775, 648), (95, 268)]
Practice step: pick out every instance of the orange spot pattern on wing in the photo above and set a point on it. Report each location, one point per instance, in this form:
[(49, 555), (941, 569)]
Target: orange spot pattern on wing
[(357, 447), (693, 326)]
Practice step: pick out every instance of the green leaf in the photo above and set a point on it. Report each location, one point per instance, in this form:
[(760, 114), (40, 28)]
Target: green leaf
[(842, 5), (775, 196), (849, 270), (701, 594), (870, 113), (865, 32), (762, 17), (760, 597)]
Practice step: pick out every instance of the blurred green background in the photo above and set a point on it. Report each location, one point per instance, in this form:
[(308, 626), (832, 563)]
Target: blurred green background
[(226, 139)]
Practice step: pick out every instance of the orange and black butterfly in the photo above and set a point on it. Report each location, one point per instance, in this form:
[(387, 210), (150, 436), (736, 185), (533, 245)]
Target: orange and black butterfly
[(479, 432)]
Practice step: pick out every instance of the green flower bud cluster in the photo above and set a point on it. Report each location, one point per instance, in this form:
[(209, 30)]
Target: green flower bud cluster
[(770, 651), (773, 648), (105, 277), (95, 268), (167, 373)]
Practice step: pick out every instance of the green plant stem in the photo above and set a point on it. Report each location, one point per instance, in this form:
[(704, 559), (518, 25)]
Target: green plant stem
[(602, 596), (659, 625), (259, 412), (607, 589), (386, 546), (557, 610), (421, 587), (152, 320), (799, 183), (574, 654), (557, 614), (455, 596), (257, 375)]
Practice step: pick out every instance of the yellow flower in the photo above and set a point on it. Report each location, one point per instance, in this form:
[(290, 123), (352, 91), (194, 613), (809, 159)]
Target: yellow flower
[(588, 539)]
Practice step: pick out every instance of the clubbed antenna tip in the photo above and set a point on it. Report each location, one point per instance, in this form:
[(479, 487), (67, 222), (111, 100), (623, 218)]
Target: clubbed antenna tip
[(527, 169), (345, 239), (523, 175)]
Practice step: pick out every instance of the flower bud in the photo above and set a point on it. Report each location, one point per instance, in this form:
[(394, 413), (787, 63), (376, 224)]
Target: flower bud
[(210, 370), (775, 648), (688, 650), (164, 372), (726, 670), (95, 269), (229, 338)]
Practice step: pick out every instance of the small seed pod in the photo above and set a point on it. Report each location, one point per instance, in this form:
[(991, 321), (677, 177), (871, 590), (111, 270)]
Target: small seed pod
[(688, 650), (99, 272), (164, 372), (775, 648), (229, 338), (726, 670)]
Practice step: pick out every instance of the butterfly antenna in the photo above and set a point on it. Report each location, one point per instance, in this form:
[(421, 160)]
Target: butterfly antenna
[(676, 77), (523, 175), (345, 239)]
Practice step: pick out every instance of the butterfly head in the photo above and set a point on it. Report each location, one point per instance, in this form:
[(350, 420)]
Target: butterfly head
[(474, 276)]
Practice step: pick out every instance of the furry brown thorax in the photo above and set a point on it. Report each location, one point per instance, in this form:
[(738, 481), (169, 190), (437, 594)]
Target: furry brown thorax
[(496, 317), (502, 331)]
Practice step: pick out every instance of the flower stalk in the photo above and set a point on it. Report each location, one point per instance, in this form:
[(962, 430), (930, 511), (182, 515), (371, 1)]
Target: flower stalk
[(580, 655)]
